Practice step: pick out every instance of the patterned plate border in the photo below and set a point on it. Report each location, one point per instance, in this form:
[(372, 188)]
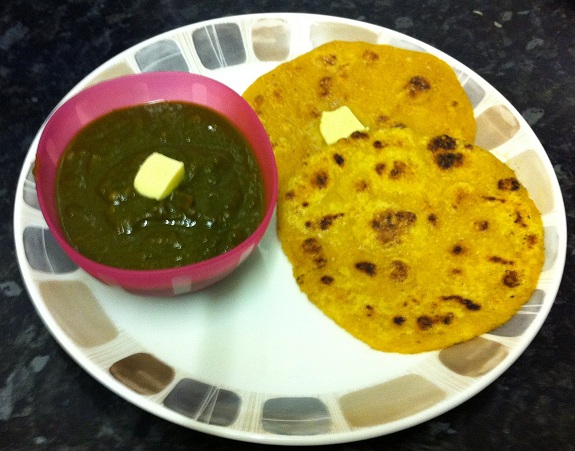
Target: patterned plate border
[(88, 322)]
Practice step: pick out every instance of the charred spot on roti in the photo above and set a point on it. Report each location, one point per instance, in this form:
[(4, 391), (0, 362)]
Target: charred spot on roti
[(368, 268), (398, 170), (320, 179), (339, 160), (511, 279), (417, 85), (329, 59), (494, 199), (370, 56), (467, 303), (508, 184), (481, 226), (424, 322), (361, 185), (500, 260), (399, 320), (369, 310), (448, 160), (327, 280), (531, 240), (519, 219), (399, 271), (325, 86), (326, 222), (391, 225), (458, 249), (311, 246), (442, 142), (379, 168)]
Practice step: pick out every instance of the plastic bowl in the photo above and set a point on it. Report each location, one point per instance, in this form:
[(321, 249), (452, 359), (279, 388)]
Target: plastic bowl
[(100, 99)]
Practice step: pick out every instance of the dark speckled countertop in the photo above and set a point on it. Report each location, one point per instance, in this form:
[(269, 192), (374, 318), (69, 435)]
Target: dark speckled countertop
[(526, 50)]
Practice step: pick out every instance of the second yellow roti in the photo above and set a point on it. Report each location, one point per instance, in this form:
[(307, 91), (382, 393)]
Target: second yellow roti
[(384, 86)]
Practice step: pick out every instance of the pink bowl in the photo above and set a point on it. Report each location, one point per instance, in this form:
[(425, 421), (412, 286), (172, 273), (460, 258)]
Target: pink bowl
[(138, 89)]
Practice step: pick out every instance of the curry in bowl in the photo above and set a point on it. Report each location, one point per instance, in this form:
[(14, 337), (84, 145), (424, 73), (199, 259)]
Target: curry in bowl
[(218, 203)]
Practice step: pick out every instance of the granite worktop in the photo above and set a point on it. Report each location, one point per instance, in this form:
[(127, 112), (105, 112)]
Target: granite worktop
[(526, 50)]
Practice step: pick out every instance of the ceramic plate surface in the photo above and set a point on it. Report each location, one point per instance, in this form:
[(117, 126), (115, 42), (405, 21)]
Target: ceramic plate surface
[(251, 358)]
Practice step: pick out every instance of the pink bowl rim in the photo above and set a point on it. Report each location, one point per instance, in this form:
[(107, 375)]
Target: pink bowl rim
[(203, 267)]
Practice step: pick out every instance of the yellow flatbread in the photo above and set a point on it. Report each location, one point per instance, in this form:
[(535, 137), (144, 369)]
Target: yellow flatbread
[(384, 86), (411, 243)]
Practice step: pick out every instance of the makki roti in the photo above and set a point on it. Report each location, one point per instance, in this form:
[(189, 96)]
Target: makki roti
[(384, 86), (409, 242)]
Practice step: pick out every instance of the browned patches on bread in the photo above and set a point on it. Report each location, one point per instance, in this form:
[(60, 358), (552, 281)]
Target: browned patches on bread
[(361, 185), (444, 147), (325, 86), (399, 320), (449, 160), (500, 260), (398, 170), (509, 184), (519, 219), (417, 85), (258, 100), (369, 310), (311, 246), (326, 222), (531, 240), (327, 280), (467, 303), (320, 179), (481, 226), (442, 142), (494, 199), (368, 268), (458, 249), (339, 159), (399, 271), (391, 225), (370, 56), (511, 279), (329, 59), (424, 322)]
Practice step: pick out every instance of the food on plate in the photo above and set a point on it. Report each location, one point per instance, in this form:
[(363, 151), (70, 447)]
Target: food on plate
[(216, 205), (383, 86), (397, 228), (411, 242)]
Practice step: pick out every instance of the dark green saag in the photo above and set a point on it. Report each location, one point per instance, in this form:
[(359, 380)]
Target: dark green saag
[(218, 205)]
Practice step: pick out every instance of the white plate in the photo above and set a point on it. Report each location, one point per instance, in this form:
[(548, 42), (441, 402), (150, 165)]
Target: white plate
[(251, 358)]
